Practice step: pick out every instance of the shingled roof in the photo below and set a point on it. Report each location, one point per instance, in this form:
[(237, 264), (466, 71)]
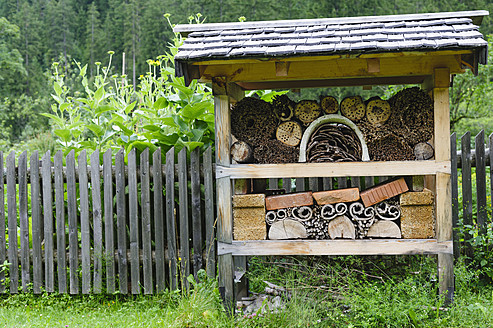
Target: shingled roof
[(331, 36)]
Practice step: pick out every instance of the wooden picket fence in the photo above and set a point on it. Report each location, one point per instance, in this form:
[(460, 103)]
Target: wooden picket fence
[(143, 225), (106, 228)]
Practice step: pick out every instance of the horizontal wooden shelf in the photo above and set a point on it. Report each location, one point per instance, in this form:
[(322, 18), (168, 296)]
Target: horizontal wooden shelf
[(335, 247), (342, 169)]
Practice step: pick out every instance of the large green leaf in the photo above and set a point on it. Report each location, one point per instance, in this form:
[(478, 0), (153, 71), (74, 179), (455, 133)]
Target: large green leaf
[(191, 112), (98, 95), (64, 134), (130, 107), (58, 88), (180, 123), (160, 103), (187, 91), (96, 129), (103, 108)]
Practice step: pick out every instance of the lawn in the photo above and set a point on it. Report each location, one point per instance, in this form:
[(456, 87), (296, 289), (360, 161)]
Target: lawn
[(324, 292)]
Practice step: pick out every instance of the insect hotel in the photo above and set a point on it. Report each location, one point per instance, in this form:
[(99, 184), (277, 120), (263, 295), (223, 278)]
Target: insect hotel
[(333, 176)]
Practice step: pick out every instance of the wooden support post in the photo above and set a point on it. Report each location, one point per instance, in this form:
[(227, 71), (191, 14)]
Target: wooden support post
[(443, 185), (224, 189)]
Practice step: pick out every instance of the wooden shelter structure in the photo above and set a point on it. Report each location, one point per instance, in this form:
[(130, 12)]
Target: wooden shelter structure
[(426, 49)]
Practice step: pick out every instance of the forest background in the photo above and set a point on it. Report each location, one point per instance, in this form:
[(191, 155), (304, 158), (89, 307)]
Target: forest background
[(35, 34)]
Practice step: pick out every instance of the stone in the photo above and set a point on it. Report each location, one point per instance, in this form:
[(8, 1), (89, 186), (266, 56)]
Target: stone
[(288, 200), (424, 197), (249, 217), (336, 196)]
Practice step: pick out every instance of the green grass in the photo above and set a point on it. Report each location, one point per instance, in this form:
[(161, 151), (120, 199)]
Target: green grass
[(328, 292)]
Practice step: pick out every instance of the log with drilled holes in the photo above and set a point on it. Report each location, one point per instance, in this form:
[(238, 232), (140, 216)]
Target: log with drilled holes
[(307, 111), (329, 105), (353, 108), (377, 111), (241, 152), (289, 133)]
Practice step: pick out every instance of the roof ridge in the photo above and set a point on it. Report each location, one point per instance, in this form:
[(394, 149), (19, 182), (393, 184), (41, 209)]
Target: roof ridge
[(476, 16)]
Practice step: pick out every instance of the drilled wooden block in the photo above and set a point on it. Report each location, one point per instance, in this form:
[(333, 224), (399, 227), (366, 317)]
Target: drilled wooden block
[(417, 222), (288, 200), (336, 196), (382, 192), (424, 197), (249, 217)]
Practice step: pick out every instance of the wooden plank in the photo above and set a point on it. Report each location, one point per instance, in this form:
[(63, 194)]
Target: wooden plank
[(60, 223), (337, 68), (455, 192), (209, 214), (443, 184), (133, 212), (482, 214), (224, 195), (157, 180), (121, 221), (73, 240), (196, 210), (183, 212), (109, 240), (466, 189), (3, 243), (145, 201), (353, 169), (12, 223), (48, 222), (84, 223), (335, 247), (170, 217), (97, 222), (36, 220), (24, 223)]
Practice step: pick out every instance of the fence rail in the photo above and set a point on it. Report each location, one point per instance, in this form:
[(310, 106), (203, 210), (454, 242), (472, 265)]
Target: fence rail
[(144, 224)]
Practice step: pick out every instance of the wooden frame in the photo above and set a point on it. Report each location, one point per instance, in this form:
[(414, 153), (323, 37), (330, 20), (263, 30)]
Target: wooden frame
[(433, 70)]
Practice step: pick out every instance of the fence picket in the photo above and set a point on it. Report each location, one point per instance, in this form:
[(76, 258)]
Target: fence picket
[(157, 179), (313, 184), (48, 222), (96, 222), (3, 243), (24, 223), (170, 216), (196, 210), (84, 223), (121, 221), (341, 182), (133, 215), (327, 183), (300, 184), (109, 240), (209, 214), (60, 223), (482, 215), (36, 222), (73, 241), (183, 212), (146, 221), (12, 223), (286, 184), (455, 191), (491, 171), (466, 188)]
